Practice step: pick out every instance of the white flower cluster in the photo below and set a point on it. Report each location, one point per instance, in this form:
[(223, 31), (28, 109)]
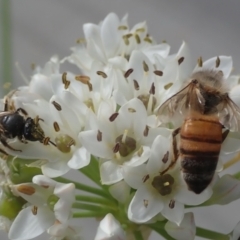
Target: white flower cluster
[(110, 111)]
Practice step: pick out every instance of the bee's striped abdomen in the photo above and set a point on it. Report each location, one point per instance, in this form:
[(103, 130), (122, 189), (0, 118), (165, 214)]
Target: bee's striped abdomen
[(200, 144)]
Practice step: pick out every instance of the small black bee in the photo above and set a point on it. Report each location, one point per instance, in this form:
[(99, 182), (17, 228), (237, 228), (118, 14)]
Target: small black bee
[(13, 124)]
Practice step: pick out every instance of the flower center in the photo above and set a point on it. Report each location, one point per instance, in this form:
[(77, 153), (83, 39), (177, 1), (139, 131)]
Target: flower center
[(163, 184), (125, 145), (148, 100), (89, 104), (64, 143)]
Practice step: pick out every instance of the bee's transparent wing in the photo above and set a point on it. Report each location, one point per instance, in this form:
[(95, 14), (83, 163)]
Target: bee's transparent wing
[(180, 103), (229, 115)]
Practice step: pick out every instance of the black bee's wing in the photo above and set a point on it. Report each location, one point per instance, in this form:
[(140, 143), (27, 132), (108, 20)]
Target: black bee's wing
[(189, 98), (229, 114)]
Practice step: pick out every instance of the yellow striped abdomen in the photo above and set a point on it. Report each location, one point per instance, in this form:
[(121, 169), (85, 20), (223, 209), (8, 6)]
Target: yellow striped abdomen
[(200, 145)]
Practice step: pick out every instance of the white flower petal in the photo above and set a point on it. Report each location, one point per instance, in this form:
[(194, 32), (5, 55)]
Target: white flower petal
[(134, 175), (230, 145), (80, 159), (120, 191), (110, 173), (55, 169), (160, 149), (186, 229), (110, 229), (28, 226), (226, 190), (144, 206), (174, 214), (110, 34), (97, 148)]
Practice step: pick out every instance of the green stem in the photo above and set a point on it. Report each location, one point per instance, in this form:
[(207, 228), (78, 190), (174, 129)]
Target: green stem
[(92, 172), (208, 234), (96, 208), (237, 175), (92, 199), (89, 214), (6, 46), (84, 187), (138, 235)]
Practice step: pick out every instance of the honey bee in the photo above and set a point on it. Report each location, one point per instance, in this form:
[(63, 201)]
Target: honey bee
[(14, 123), (209, 115)]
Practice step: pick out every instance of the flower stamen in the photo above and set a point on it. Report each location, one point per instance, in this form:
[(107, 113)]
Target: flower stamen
[(102, 74), (128, 72), (64, 143), (158, 73), (57, 105), (56, 127)]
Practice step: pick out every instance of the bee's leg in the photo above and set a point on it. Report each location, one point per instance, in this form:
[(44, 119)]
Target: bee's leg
[(5, 144), (224, 135), (37, 119), (174, 144), (174, 148), (2, 151), (22, 111)]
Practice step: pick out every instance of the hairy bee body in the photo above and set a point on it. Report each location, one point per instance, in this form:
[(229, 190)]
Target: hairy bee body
[(209, 114), (200, 145)]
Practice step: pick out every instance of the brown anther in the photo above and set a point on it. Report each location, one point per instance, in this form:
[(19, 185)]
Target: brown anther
[(145, 132), (136, 85), (126, 41), (128, 35), (200, 62), (46, 140), (122, 27), (57, 105), (102, 74), (148, 39), (113, 117), (180, 60), (145, 67), (131, 110), (66, 84), (80, 40), (167, 86), (28, 190), (116, 148), (158, 73), (128, 72), (145, 178), (64, 77), (165, 157), (34, 210), (152, 89), (137, 38), (217, 62), (126, 38), (171, 204), (99, 136), (85, 80), (145, 203), (82, 78), (140, 30), (56, 127)]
